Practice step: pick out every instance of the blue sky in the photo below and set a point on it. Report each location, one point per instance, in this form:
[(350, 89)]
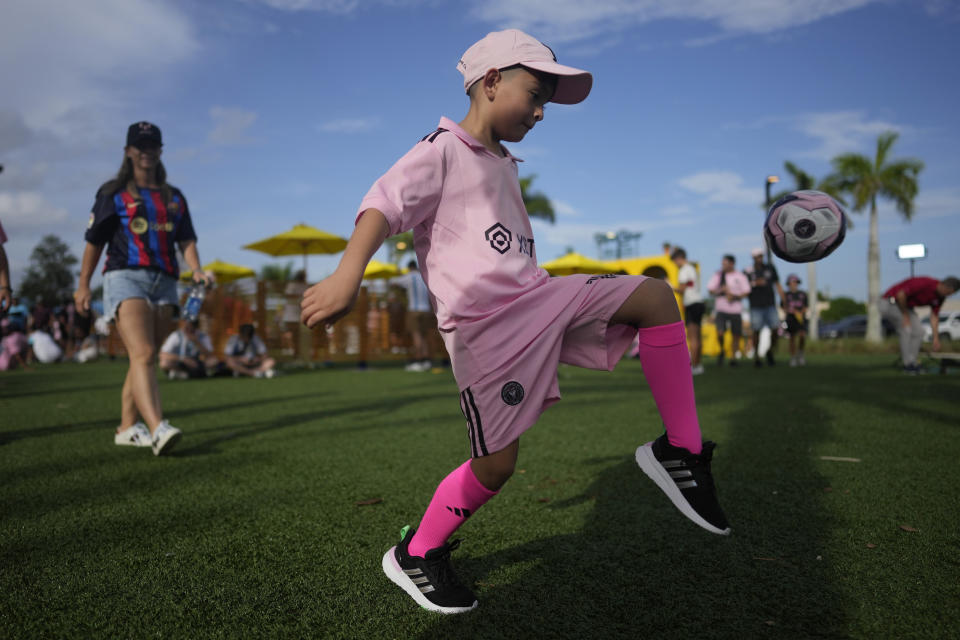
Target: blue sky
[(276, 112)]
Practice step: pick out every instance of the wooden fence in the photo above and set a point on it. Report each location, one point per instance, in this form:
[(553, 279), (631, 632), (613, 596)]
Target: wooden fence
[(373, 331)]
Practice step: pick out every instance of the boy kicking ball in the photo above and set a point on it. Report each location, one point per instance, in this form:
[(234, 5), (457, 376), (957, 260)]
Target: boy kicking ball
[(506, 324)]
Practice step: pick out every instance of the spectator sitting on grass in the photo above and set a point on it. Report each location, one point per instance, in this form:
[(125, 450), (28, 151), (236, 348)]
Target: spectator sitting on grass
[(187, 353), (13, 346), (247, 355), (45, 348)]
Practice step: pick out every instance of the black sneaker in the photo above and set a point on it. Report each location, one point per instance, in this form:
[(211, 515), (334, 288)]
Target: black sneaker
[(686, 480), (430, 581), (770, 361)]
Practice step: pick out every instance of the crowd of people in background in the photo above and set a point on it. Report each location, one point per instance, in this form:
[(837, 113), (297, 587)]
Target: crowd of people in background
[(759, 284), (40, 334)]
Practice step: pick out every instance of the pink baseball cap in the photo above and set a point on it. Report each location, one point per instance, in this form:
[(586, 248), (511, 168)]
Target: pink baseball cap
[(502, 49)]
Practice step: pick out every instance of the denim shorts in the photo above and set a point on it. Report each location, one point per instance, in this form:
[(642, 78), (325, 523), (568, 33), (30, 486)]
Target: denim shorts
[(764, 317), (156, 287)]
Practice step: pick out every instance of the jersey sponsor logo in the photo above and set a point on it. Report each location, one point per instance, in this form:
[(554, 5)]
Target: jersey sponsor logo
[(499, 238), (525, 245), (139, 225), (512, 393), (132, 206), (173, 207)]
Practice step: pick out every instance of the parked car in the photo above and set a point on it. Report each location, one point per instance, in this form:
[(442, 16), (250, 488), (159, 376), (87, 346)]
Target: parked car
[(949, 327), (852, 327)]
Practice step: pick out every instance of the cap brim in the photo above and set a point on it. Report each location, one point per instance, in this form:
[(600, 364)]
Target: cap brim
[(573, 85)]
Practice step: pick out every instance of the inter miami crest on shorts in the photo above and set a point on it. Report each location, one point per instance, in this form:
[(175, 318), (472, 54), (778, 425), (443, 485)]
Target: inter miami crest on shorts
[(512, 393)]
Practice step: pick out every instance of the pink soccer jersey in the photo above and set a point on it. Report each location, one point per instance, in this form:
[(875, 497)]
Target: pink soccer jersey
[(471, 232)]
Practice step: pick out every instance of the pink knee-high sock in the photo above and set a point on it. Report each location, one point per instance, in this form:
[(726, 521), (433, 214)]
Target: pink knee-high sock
[(459, 495), (666, 365)]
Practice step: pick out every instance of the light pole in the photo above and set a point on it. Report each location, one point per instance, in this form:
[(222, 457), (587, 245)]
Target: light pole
[(620, 239), (766, 185)]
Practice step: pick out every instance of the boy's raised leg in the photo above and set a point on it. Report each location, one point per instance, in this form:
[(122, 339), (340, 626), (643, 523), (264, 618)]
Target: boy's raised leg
[(678, 461)]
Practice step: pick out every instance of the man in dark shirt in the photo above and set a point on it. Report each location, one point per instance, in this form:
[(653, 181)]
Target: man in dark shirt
[(898, 303), (763, 304)]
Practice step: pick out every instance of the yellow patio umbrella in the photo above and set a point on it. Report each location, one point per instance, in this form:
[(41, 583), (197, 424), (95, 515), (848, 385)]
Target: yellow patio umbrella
[(376, 269), (575, 263), (302, 240), (224, 272)]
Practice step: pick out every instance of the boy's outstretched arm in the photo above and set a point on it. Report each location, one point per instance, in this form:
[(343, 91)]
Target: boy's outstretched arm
[(332, 298)]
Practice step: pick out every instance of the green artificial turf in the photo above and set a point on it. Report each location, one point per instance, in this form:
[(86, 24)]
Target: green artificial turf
[(255, 526)]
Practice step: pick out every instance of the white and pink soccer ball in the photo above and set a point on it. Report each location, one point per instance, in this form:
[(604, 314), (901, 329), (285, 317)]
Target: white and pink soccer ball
[(805, 226)]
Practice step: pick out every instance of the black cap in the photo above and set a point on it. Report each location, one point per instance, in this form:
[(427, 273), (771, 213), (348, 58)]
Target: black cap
[(144, 133)]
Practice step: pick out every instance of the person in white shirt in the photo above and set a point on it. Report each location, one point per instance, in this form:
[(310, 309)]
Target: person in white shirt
[(420, 321), (188, 353), (689, 287), (247, 355), (45, 348)]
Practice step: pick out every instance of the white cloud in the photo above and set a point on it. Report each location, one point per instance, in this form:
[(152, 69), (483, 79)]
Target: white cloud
[(564, 209), (721, 187), (24, 177), (328, 6), (337, 7), (571, 20), (842, 132), (675, 210), (14, 132), (60, 56), (28, 211), (230, 125), (937, 203), (350, 125)]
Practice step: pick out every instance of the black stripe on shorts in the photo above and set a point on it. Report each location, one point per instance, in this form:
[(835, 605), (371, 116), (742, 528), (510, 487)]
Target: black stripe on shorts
[(465, 410), (479, 424)]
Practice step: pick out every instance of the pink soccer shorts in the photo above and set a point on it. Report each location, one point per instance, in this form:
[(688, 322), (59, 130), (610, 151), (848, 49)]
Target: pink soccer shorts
[(506, 363)]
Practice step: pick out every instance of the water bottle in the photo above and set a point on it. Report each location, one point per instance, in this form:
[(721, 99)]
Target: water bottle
[(191, 309)]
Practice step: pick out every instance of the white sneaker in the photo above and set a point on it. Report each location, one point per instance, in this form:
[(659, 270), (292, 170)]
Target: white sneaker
[(801, 360), (415, 366), (176, 374), (271, 373), (793, 361), (136, 435), (696, 369), (165, 437)]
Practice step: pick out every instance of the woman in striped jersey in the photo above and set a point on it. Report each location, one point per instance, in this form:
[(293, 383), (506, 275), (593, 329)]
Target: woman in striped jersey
[(140, 218)]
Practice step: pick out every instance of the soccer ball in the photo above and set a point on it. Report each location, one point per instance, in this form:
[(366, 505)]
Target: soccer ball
[(805, 226)]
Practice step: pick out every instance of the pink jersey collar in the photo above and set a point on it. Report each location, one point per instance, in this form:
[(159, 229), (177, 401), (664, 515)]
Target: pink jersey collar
[(470, 141)]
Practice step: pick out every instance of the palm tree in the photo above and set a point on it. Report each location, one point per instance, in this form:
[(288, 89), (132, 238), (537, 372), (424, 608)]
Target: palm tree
[(803, 181), (537, 204), (865, 179)]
